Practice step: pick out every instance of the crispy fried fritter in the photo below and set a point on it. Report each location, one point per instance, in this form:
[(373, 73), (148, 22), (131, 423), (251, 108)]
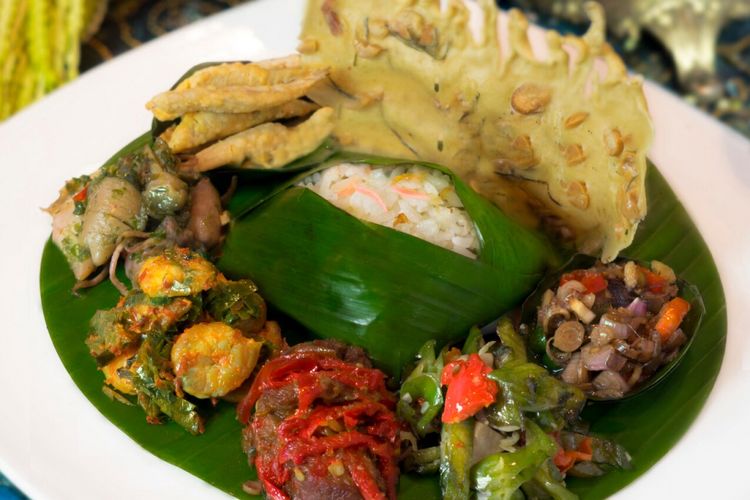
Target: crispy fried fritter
[(203, 127), (269, 145), (231, 99)]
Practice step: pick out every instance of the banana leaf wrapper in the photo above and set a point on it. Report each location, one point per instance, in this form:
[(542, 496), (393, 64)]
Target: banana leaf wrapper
[(369, 285)]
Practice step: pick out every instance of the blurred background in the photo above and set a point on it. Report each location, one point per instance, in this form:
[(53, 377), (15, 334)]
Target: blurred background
[(698, 48)]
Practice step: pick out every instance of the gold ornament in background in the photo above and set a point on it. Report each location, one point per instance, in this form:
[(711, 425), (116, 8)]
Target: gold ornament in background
[(689, 29)]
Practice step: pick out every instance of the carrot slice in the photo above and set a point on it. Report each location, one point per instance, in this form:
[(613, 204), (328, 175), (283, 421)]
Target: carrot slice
[(671, 315)]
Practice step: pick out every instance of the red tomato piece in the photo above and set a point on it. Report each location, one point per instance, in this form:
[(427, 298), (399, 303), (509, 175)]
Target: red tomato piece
[(594, 282), (469, 389), (654, 281)]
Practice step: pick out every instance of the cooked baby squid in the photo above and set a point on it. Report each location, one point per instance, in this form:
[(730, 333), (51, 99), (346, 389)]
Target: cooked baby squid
[(139, 196), (212, 359), (67, 227), (114, 207), (205, 213)]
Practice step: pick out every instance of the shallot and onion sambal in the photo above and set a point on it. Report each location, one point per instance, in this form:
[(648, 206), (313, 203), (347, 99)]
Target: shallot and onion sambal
[(610, 328)]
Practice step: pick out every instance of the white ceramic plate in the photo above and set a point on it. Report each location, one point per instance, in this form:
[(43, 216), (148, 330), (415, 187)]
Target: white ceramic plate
[(55, 444)]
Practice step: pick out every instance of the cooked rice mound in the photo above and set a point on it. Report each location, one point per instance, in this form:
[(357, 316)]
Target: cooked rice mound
[(415, 200)]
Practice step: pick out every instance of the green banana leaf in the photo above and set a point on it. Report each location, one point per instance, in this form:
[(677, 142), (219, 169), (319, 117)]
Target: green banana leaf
[(376, 287), (648, 426)]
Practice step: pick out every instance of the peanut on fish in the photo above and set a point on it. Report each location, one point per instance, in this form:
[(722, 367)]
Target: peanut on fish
[(202, 127), (269, 145)]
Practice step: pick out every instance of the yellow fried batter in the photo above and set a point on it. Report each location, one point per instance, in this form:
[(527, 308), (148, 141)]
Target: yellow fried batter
[(227, 74), (270, 72), (200, 128), (230, 99), (269, 145)]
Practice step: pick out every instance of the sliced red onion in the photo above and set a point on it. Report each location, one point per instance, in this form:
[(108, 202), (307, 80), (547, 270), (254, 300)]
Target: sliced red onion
[(615, 362), (570, 288), (601, 335), (676, 340), (252, 487), (638, 307), (643, 349), (635, 376), (610, 384), (595, 358), (621, 330), (574, 372)]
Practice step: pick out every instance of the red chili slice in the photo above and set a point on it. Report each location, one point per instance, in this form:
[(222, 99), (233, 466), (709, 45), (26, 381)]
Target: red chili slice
[(593, 281), (469, 389), (81, 195), (655, 282)]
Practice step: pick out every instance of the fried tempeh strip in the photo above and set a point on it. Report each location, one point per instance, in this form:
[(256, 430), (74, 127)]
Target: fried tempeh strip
[(231, 99), (269, 145), (202, 127)]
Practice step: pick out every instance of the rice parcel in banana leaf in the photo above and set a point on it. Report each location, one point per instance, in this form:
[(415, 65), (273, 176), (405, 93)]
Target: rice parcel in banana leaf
[(557, 136), (331, 250)]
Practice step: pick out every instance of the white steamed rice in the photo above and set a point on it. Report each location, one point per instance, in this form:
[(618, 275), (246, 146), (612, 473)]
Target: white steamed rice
[(415, 200)]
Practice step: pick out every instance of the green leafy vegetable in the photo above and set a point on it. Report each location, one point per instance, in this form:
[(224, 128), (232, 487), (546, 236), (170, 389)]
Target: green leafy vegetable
[(237, 303), (108, 335), (155, 388), (500, 476)]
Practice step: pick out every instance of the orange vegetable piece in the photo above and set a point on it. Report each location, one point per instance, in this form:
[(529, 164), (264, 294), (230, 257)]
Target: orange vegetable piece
[(671, 315)]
